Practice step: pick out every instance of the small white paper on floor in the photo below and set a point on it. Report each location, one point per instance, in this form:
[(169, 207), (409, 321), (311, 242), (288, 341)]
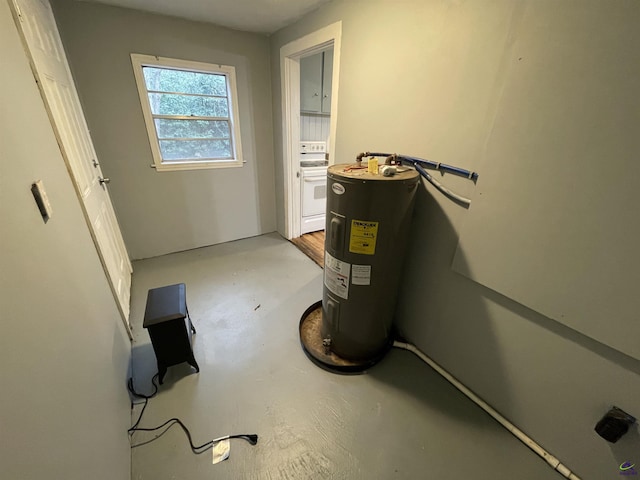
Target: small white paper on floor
[(221, 451)]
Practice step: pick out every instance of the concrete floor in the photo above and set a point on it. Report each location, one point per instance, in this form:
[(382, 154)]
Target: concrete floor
[(399, 420)]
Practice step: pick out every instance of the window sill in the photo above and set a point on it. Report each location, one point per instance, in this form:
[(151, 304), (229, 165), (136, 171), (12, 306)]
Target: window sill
[(174, 166)]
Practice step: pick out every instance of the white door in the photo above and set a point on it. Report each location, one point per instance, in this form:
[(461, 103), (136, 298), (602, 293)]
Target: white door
[(48, 61)]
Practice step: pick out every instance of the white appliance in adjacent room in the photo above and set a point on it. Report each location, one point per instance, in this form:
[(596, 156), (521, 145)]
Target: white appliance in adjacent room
[(313, 183)]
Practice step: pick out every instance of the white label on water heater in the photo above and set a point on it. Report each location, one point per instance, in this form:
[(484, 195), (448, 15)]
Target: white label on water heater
[(336, 275), (361, 274)]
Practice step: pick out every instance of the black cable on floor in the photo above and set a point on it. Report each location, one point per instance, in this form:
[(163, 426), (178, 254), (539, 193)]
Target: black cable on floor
[(197, 449), (141, 395)]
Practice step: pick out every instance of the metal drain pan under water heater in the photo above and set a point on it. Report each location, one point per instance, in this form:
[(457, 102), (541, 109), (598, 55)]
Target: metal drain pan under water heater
[(366, 236)]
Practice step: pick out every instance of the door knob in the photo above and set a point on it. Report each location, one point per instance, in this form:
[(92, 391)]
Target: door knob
[(104, 180)]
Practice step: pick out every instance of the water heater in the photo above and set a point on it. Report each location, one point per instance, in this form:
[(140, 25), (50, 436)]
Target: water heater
[(368, 218), (366, 234), (367, 228)]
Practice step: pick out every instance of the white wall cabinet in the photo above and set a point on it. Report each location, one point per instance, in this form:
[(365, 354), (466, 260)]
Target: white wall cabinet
[(315, 82)]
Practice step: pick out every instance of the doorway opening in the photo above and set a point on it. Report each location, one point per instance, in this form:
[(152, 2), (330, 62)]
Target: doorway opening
[(310, 69)]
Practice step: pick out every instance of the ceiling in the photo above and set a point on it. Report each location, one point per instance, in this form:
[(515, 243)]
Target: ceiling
[(261, 16)]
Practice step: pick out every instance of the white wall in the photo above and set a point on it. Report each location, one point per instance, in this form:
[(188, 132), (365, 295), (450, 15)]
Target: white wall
[(64, 353), (425, 78), (163, 212), (314, 127)]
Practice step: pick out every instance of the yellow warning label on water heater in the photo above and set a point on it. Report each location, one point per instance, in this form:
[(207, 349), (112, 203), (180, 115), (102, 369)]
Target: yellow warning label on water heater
[(363, 237)]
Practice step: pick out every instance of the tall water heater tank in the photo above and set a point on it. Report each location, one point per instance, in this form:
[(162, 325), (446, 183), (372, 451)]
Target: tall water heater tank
[(366, 235)]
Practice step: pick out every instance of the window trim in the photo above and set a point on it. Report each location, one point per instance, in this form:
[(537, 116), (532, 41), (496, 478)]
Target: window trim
[(139, 61)]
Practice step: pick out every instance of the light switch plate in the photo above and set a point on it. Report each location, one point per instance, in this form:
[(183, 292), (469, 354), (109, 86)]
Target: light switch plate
[(40, 196)]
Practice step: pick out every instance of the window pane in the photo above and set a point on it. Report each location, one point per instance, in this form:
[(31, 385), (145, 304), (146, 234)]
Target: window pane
[(168, 104), (195, 149), (169, 80), (191, 128)]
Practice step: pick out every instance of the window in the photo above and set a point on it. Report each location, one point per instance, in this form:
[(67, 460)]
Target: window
[(191, 112)]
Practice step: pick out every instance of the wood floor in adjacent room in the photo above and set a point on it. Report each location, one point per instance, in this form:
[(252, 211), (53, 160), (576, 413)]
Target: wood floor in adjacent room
[(312, 245), (399, 420)]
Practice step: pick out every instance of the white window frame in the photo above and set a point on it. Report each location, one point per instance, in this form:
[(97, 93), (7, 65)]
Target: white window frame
[(139, 61)]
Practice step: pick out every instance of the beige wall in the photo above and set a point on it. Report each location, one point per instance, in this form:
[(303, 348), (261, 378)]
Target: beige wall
[(64, 353), (163, 212), (425, 78)]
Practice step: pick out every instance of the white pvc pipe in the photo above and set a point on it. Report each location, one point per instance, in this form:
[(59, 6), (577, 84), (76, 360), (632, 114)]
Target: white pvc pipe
[(519, 434)]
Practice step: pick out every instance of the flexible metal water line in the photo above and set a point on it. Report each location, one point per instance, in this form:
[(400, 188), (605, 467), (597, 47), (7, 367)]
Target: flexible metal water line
[(519, 434), (439, 186)]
